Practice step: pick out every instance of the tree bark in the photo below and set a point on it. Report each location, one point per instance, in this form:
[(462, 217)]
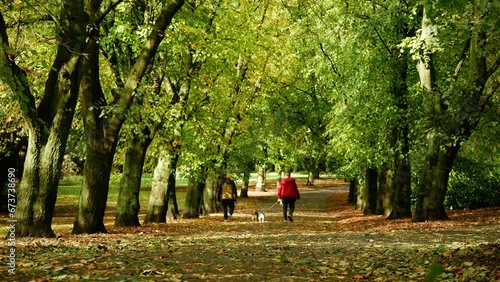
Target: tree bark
[(401, 192), (128, 205), (434, 181), (384, 204), (261, 179), (370, 191), (194, 197), (214, 183), (246, 181), (360, 199), (353, 191), (163, 189)]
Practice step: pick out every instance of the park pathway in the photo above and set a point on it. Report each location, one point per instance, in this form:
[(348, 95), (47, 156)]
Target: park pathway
[(328, 241)]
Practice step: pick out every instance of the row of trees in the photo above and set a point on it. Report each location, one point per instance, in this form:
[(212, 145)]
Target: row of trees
[(385, 94)]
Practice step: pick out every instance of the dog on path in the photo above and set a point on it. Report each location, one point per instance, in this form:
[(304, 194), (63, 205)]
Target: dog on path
[(258, 216)]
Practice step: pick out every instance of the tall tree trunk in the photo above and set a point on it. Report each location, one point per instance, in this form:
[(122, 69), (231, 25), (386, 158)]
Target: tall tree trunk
[(360, 199), (434, 181), (128, 205), (246, 181), (94, 193), (101, 134), (194, 197), (261, 179), (101, 130), (353, 191), (400, 187), (384, 204), (48, 124), (214, 182), (172, 207), (370, 191), (310, 179), (161, 189), (401, 192)]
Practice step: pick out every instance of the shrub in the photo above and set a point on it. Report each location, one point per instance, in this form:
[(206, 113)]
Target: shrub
[(473, 184)]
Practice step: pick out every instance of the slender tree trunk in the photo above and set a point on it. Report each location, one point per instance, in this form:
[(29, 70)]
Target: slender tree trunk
[(370, 191), (261, 179), (246, 181), (310, 179), (29, 187), (101, 134), (316, 169), (128, 205), (194, 197), (172, 207), (360, 199), (353, 191)]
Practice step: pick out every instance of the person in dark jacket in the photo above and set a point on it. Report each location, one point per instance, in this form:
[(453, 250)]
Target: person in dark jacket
[(227, 195), (287, 194)]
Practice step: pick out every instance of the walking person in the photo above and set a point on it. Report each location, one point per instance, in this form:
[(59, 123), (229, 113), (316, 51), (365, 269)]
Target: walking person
[(288, 193), (228, 195)]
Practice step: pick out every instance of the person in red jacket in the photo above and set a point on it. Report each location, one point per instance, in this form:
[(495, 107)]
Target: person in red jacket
[(287, 194)]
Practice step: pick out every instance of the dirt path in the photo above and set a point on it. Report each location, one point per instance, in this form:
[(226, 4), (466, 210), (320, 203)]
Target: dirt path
[(328, 241)]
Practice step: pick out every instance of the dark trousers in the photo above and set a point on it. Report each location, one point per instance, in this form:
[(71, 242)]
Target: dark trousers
[(288, 204), (225, 204)]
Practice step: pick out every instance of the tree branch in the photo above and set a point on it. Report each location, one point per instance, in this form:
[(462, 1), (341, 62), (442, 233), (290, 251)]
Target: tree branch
[(494, 67), (106, 9), (147, 53), (331, 61), (30, 21), (383, 42), (462, 58), (14, 76)]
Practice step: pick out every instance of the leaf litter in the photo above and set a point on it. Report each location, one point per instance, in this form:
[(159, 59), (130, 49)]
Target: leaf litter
[(328, 241)]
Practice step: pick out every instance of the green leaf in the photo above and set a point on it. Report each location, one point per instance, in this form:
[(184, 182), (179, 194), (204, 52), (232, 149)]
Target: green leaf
[(24, 107), (436, 269)]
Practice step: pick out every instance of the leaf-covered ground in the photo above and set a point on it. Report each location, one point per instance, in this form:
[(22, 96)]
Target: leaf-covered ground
[(328, 241)]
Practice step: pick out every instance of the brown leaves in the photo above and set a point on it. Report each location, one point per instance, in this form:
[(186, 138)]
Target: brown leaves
[(328, 241)]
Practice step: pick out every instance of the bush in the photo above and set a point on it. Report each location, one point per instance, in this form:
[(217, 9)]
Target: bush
[(473, 184)]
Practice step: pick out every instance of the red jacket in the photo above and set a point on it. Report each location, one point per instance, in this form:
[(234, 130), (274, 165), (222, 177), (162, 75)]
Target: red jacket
[(288, 189)]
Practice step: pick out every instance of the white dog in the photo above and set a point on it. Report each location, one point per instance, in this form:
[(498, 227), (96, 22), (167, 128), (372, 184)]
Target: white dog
[(260, 216)]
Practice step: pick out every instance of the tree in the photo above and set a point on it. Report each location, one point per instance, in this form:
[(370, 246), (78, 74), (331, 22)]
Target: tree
[(48, 117), (455, 94), (103, 121)]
